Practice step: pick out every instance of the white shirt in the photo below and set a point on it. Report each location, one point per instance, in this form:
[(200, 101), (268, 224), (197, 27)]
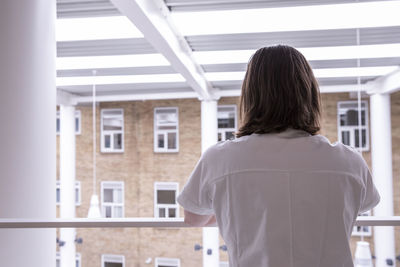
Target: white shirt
[(282, 200)]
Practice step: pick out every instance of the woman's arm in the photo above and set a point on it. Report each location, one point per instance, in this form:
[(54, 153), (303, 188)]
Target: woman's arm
[(194, 219)]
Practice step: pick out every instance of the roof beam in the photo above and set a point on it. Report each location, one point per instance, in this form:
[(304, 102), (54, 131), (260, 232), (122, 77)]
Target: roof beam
[(152, 19), (387, 84)]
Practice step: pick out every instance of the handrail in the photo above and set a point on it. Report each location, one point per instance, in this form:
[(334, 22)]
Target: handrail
[(149, 222)]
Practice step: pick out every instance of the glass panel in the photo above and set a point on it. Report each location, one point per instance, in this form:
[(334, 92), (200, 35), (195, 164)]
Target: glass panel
[(58, 195), (171, 140), (58, 263), (363, 137), (160, 140), (117, 212), (58, 125), (219, 137), (117, 195), (166, 197), (108, 195), (167, 127), (76, 263), (226, 123), (161, 212), (350, 117), (112, 124), (171, 213), (346, 137), (76, 195), (112, 264), (108, 212), (107, 141), (229, 135), (118, 141), (166, 116), (77, 125)]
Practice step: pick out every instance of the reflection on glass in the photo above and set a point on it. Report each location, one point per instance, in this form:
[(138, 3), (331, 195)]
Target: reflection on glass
[(171, 140), (160, 138), (118, 141), (107, 141), (346, 137), (166, 197), (161, 212), (363, 137), (171, 213)]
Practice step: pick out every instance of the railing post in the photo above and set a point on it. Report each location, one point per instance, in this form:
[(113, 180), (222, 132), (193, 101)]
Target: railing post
[(67, 183), (381, 155), (28, 129), (209, 136)]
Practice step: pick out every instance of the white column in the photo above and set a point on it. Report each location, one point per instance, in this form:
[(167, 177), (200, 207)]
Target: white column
[(28, 133), (209, 136), (381, 155), (67, 183)]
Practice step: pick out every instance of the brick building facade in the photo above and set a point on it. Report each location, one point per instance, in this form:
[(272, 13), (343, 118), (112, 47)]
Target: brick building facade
[(139, 168)]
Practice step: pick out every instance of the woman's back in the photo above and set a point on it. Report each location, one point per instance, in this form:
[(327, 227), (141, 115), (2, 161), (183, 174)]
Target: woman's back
[(287, 199)]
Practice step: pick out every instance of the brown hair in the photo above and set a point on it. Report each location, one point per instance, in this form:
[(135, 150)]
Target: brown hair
[(279, 91)]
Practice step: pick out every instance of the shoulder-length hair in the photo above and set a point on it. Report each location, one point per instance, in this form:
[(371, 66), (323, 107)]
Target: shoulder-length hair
[(279, 91)]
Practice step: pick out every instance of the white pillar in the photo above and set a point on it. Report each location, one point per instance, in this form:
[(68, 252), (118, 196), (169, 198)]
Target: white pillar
[(67, 183), (28, 133), (209, 136), (381, 155)]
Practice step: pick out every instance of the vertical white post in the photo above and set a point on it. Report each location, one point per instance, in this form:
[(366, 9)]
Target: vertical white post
[(28, 132), (209, 136), (67, 183), (381, 154)]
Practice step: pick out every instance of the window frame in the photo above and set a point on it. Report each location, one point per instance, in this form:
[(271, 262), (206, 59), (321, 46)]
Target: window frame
[(112, 185), (103, 132), (166, 186), (353, 129), (77, 186), (223, 131), (156, 132), (78, 116), (112, 258), (78, 258), (173, 262)]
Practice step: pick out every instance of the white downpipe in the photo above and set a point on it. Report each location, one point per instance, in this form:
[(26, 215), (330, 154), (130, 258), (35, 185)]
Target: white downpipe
[(28, 129), (209, 136), (67, 183), (381, 155)]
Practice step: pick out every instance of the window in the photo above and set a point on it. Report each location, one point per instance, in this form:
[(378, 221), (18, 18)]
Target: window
[(77, 193), (167, 262), (77, 122), (165, 205), (112, 261), (362, 230), (223, 264), (112, 130), (112, 199), (77, 259), (166, 135), (226, 122), (348, 125)]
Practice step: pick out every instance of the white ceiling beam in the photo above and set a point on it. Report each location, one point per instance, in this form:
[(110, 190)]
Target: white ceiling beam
[(137, 97), (387, 84), (152, 19)]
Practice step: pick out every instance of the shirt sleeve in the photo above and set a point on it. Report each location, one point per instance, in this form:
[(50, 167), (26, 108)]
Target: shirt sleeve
[(371, 196), (195, 196)]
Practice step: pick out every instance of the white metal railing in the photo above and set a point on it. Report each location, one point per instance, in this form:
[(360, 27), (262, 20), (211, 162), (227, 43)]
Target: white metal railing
[(149, 222)]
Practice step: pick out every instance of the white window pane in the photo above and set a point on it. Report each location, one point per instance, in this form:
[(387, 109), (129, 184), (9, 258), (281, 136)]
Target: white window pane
[(107, 141), (166, 197), (171, 140), (112, 124), (117, 141), (161, 212), (171, 212), (117, 212), (108, 212), (117, 196), (108, 195), (166, 116), (160, 141), (346, 137)]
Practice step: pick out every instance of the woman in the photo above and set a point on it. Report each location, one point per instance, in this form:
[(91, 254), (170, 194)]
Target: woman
[(282, 195)]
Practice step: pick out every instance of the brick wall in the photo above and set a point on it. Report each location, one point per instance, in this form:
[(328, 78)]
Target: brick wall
[(139, 167)]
